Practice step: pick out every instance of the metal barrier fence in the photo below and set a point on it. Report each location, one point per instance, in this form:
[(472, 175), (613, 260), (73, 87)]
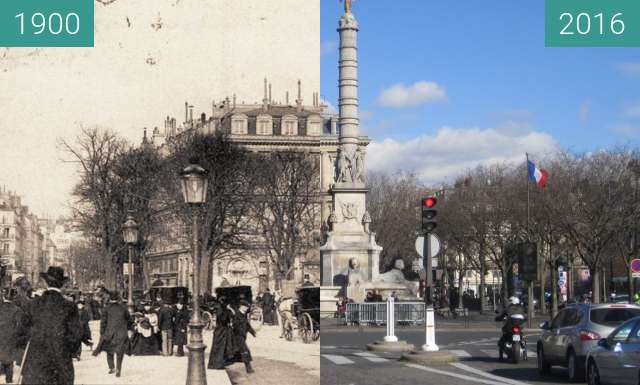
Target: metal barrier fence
[(375, 313)]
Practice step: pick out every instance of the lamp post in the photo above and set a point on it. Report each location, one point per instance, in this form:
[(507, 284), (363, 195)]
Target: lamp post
[(130, 235), (194, 190)]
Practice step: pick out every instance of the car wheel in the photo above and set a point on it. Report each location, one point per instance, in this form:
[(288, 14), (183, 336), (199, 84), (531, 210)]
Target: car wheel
[(593, 375), (574, 368), (543, 366)]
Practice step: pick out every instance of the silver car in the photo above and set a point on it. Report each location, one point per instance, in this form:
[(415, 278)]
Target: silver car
[(567, 339), (616, 359)]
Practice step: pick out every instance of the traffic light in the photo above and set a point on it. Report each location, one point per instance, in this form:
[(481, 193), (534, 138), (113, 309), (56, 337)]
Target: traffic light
[(528, 261), (429, 214)]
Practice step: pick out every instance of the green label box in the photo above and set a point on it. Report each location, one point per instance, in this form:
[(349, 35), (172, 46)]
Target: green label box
[(592, 23), (46, 23)]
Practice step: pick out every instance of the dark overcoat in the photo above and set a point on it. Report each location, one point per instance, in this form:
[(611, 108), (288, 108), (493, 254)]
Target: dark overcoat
[(181, 324), (11, 330), (267, 308), (166, 317), (114, 324), (55, 338), (241, 327), (222, 351)]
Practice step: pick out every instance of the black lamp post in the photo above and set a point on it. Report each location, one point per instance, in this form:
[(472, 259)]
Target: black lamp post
[(194, 190), (130, 235)]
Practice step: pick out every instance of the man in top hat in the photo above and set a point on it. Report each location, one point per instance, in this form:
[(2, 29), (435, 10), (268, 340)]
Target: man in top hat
[(55, 332), (166, 319), (180, 326), (115, 325), (241, 327)]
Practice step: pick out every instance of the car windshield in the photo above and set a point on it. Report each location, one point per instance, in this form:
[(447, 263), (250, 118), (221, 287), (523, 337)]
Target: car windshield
[(613, 316)]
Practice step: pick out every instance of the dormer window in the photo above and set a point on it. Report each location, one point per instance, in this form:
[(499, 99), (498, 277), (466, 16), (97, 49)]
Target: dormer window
[(289, 125), (264, 125), (239, 124), (314, 125)]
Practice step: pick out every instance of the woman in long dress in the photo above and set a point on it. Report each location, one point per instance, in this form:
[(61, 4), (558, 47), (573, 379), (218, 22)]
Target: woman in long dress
[(222, 350), (145, 341)]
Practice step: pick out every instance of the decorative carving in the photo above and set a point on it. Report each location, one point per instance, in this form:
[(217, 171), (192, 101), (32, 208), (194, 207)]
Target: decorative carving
[(350, 167), (366, 220), (349, 210)]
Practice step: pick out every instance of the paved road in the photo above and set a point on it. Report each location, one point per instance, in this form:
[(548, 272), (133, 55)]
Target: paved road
[(345, 361)]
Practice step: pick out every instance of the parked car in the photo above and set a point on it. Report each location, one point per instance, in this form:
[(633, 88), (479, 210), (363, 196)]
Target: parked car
[(566, 340), (615, 359)]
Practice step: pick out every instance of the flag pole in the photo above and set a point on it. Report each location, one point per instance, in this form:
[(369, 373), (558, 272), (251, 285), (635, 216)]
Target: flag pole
[(528, 195)]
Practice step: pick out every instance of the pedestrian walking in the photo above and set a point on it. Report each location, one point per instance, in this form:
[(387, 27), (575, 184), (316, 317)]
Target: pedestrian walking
[(145, 340), (166, 319), (268, 307), (22, 299), (242, 326), (55, 334), (85, 317), (182, 317), (115, 326), (12, 335), (222, 345)]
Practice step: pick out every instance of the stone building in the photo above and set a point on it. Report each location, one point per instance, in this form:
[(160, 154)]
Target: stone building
[(266, 127), (21, 241)]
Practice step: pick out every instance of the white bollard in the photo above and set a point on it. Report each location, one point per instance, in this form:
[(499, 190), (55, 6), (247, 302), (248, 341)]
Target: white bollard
[(430, 326), (391, 321)]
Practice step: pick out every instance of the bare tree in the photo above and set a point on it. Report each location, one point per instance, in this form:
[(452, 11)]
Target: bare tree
[(287, 206)]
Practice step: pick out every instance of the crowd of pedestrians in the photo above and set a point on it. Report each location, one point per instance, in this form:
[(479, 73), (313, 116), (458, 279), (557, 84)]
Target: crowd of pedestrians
[(43, 331)]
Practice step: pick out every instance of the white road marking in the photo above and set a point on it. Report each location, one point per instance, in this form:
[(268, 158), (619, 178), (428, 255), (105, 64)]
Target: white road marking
[(338, 360), (371, 357), (327, 347), (460, 353), (479, 372), (451, 374), (491, 353)]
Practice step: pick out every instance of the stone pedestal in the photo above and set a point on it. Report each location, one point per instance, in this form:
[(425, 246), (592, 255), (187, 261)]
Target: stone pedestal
[(329, 295)]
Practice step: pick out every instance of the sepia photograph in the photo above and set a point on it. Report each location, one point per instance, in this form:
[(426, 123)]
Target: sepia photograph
[(319, 192)]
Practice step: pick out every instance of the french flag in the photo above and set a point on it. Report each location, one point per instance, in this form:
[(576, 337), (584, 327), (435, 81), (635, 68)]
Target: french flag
[(537, 175)]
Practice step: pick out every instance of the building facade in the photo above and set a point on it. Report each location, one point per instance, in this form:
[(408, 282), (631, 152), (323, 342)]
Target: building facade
[(268, 127)]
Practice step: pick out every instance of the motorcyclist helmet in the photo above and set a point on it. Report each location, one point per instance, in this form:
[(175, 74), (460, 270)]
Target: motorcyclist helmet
[(514, 301)]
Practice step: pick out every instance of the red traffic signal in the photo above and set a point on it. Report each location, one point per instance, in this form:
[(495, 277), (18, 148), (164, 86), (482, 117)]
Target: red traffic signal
[(429, 202)]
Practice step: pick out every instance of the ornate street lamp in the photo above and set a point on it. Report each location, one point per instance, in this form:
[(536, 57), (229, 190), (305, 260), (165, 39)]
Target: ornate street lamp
[(130, 236), (194, 190)]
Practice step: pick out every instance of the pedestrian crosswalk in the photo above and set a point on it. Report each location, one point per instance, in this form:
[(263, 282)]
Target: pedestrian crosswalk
[(349, 357)]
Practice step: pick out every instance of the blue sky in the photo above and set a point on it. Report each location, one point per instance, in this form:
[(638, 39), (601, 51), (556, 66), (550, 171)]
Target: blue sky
[(490, 77)]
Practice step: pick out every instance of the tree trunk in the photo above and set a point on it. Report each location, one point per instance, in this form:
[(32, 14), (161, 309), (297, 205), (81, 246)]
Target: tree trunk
[(543, 300), (630, 281), (554, 291), (595, 284), (460, 289), (482, 283)]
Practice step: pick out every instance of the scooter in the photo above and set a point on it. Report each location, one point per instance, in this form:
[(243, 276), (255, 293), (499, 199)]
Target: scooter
[(513, 343)]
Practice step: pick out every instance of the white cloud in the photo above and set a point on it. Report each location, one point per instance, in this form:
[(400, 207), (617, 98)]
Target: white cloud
[(627, 130), (401, 96), (628, 68), (328, 47), (450, 151)]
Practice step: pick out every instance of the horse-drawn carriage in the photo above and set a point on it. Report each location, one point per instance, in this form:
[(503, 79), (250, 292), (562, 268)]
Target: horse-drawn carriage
[(306, 315)]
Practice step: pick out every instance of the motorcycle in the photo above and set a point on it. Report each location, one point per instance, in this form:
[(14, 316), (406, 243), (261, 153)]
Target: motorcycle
[(513, 342)]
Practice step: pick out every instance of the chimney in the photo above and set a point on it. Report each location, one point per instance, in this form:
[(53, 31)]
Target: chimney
[(265, 99), (270, 100), (299, 100), (287, 98), (186, 112), (234, 101), (191, 115)]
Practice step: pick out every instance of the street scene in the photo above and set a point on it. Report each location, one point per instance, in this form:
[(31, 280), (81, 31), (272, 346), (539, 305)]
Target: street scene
[(320, 192)]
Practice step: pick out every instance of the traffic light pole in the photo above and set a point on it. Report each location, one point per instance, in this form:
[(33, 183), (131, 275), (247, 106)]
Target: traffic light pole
[(430, 325)]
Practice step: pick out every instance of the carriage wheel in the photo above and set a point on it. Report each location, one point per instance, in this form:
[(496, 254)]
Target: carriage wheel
[(309, 330)]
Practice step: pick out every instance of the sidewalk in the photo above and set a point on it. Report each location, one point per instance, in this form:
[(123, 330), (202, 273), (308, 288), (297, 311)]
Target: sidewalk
[(278, 361)]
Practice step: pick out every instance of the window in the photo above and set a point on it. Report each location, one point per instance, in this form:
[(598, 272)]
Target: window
[(571, 318), (289, 125), (239, 124), (612, 316), (623, 332), (5, 232), (264, 125), (557, 322), (314, 125), (5, 248)]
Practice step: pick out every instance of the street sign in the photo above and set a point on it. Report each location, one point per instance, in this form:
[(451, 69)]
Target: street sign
[(434, 244), (635, 266), (635, 275)]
